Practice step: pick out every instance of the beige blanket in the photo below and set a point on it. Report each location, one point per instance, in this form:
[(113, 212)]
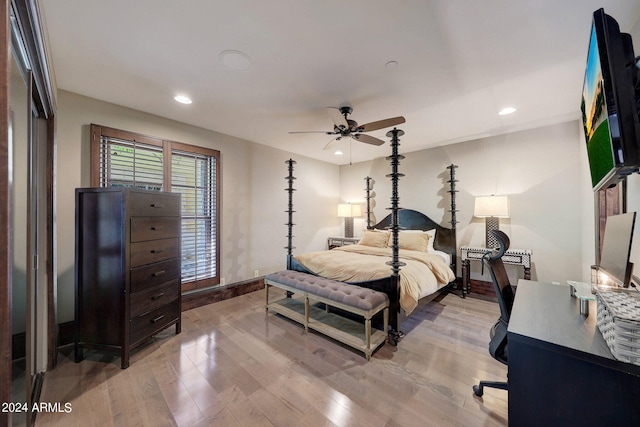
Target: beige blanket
[(422, 275)]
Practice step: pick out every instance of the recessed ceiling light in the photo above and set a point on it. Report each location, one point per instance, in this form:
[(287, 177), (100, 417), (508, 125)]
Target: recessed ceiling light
[(182, 99), (338, 153), (506, 111), (235, 60)]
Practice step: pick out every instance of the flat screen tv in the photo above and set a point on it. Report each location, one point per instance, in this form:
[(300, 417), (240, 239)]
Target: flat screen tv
[(609, 103), (616, 248)]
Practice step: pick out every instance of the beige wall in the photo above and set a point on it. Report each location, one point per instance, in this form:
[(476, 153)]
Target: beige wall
[(253, 231), (543, 171)]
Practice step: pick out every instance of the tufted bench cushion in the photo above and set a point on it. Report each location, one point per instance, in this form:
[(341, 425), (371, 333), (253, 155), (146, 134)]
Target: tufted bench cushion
[(351, 298), (343, 293)]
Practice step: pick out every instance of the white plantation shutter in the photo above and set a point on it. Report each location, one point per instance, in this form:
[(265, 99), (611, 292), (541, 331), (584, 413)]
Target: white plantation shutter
[(126, 159)]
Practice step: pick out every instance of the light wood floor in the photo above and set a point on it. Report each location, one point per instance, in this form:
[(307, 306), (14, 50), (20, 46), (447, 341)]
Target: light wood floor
[(235, 365)]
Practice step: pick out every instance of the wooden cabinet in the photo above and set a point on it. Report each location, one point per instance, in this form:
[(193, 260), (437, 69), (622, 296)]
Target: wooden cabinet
[(127, 268)]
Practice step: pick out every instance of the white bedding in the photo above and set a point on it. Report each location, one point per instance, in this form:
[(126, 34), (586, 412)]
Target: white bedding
[(423, 274), (445, 256)]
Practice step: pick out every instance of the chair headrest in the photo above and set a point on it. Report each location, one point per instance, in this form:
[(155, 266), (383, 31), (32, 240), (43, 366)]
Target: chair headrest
[(503, 244)]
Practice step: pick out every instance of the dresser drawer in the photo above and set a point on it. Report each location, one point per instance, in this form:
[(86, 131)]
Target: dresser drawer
[(149, 204), (154, 251), (154, 227), (152, 298), (154, 321), (154, 275)]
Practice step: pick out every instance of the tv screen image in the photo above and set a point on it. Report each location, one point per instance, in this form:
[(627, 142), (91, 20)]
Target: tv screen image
[(595, 117), (609, 110)]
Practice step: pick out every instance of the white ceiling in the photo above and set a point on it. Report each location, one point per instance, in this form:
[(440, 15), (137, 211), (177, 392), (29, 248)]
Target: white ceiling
[(459, 62)]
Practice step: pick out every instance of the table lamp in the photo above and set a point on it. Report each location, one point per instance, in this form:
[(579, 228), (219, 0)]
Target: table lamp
[(348, 212), (491, 208)]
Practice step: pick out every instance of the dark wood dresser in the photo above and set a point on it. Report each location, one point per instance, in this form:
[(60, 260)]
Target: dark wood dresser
[(127, 277)]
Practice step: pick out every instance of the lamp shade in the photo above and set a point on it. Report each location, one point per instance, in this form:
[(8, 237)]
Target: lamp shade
[(491, 206), (347, 210)]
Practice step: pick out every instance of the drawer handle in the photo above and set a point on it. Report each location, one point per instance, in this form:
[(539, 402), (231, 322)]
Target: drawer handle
[(158, 296), (158, 273), (157, 205), (157, 319), (156, 228), (157, 251)]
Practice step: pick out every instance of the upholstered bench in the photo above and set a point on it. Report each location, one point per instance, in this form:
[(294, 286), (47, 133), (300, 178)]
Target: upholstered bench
[(350, 298)]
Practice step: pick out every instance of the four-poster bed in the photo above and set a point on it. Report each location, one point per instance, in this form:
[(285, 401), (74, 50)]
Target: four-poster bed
[(433, 265)]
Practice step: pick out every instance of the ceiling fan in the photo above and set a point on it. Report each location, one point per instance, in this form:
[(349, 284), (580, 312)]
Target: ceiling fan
[(345, 127)]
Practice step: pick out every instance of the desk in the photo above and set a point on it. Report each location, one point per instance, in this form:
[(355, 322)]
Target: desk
[(561, 371), (521, 257)]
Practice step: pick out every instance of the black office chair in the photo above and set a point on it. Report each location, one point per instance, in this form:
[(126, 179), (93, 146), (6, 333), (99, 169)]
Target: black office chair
[(504, 292)]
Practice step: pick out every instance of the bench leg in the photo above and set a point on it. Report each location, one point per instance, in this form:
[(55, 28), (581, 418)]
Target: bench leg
[(385, 315), (306, 313), (266, 296), (367, 331)]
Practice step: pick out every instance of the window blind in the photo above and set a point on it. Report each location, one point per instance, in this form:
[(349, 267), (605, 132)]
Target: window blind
[(130, 164), (193, 175)]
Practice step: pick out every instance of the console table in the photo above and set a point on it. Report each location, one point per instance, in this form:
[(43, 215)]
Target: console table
[(334, 242), (521, 257), (561, 371)]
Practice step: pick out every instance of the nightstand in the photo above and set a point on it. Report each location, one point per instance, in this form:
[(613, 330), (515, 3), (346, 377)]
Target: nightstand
[(521, 257), (334, 242)]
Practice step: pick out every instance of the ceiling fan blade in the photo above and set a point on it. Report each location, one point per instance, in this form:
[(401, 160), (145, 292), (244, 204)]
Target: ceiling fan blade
[(332, 143), (381, 124), (316, 131), (337, 117), (367, 139)]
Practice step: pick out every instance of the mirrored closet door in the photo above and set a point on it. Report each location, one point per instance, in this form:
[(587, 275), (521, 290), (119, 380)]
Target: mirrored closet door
[(30, 214), (27, 303), (19, 155)]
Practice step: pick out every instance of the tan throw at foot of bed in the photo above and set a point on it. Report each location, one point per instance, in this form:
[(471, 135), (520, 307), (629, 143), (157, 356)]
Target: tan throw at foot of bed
[(351, 298)]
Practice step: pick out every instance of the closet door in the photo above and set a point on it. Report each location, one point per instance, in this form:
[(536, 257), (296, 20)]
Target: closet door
[(27, 204), (21, 336)]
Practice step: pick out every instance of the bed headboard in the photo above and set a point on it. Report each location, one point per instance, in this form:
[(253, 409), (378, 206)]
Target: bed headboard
[(409, 219)]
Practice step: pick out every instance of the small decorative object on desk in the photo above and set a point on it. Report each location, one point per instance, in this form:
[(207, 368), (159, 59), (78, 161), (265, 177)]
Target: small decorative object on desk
[(619, 323)]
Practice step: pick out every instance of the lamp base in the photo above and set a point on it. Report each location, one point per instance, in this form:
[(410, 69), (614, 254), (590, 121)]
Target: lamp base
[(492, 223), (348, 227)]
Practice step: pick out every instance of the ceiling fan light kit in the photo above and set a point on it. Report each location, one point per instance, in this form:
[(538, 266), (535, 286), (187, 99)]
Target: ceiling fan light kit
[(345, 127)]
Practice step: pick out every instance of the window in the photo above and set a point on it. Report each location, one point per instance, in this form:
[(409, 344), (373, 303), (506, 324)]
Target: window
[(126, 163), (194, 176), (120, 158)]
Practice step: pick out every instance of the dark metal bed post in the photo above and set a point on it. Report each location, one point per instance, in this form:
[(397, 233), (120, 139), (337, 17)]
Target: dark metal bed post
[(290, 212), (395, 198), (368, 189), (395, 262), (452, 191)]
